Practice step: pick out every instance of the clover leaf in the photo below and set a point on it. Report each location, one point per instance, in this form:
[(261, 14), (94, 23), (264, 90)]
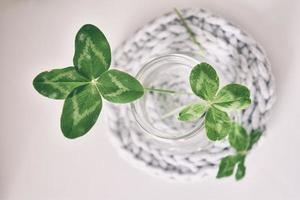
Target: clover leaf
[(81, 110), (192, 112), (83, 85), (119, 87), (227, 166), (217, 124), (241, 169), (204, 81), (238, 137), (92, 52), (58, 83), (232, 97), (254, 137), (231, 163)]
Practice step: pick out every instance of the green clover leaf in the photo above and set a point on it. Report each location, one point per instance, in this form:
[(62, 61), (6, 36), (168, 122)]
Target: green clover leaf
[(192, 112), (217, 124), (204, 81), (58, 83), (83, 85), (254, 137), (92, 52), (119, 87), (227, 166), (238, 137), (232, 97), (241, 169), (81, 110)]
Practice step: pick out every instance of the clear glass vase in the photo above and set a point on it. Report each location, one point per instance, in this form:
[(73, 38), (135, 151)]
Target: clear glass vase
[(166, 79)]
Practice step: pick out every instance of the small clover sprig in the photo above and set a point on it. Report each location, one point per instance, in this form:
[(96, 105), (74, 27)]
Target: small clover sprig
[(231, 97), (214, 103), (84, 85), (230, 163)]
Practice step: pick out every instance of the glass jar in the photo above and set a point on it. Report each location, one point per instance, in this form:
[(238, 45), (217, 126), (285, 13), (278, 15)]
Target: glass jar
[(167, 91)]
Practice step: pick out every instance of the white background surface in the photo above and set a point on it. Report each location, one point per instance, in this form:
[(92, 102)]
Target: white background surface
[(37, 162)]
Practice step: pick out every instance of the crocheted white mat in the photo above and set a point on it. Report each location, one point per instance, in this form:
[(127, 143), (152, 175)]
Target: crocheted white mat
[(224, 43)]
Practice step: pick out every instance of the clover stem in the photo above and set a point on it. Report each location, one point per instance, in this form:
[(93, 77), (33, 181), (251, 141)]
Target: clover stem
[(165, 91), (189, 30), (172, 112)]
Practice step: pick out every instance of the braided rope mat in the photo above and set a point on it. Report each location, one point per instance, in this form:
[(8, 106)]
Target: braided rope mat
[(225, 44)]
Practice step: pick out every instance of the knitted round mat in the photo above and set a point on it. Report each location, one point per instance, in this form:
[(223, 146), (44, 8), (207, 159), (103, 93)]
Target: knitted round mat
[(225, 44)]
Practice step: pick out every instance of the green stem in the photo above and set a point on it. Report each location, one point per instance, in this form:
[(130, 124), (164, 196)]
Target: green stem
[(159, 90), (164, 91), (189, 30)]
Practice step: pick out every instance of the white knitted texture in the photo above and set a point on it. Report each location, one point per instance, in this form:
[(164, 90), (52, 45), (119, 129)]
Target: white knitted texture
[(224, 43)]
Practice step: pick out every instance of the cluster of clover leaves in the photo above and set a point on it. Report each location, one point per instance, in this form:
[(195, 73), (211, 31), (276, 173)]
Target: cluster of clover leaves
[(85, 84), (214, 104)]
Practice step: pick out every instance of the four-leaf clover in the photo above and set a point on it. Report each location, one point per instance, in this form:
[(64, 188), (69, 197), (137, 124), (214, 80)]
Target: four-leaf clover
[(204, 82), (84, 85)]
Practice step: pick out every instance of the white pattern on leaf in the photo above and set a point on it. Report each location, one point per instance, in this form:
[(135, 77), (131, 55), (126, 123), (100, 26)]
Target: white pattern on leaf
[(122, 88), (77, 116), (85, 55)]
